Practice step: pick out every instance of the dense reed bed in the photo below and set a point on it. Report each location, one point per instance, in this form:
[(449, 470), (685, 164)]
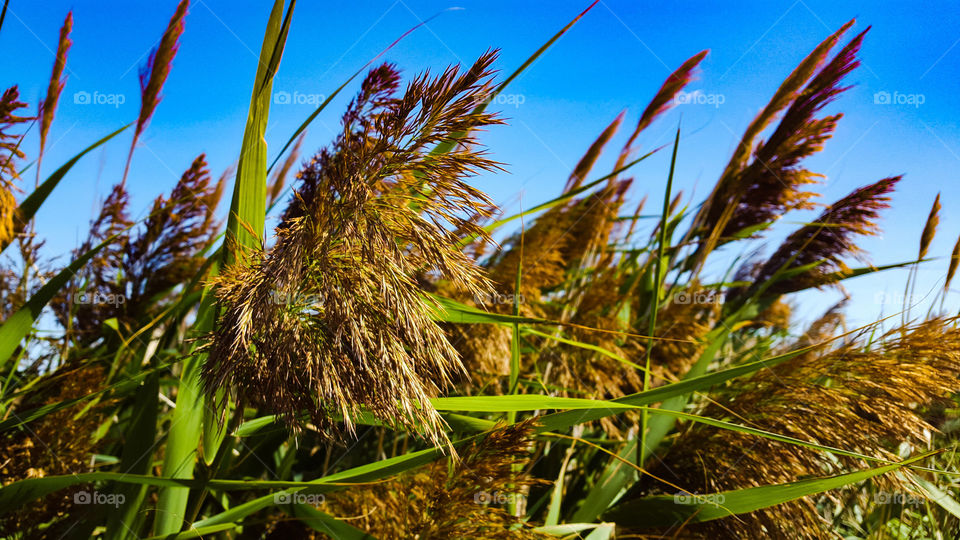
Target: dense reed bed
[(376, 366)]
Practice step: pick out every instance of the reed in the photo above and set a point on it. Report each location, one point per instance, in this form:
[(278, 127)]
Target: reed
[(377, 366)]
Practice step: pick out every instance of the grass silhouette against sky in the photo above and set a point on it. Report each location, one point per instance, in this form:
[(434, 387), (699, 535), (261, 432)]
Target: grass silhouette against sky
[(614, 59)]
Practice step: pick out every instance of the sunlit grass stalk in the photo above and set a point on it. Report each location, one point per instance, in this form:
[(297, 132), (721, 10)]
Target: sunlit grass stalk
[(659, 278)]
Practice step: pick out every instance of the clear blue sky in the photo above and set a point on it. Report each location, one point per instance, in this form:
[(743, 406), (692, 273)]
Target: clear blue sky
[(614, 59)]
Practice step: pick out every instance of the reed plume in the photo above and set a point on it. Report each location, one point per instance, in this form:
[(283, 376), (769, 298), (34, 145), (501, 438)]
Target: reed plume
[(755, 191), (662, 101), (154, 74), (568, 234), (48, 106), (570, 274), (10, 154), (863, 399), (586, 163), (47, 449), (141, 267), (332, 321), (443, 500), (929, 228), (167, 249), (826, 241), (952, 268)]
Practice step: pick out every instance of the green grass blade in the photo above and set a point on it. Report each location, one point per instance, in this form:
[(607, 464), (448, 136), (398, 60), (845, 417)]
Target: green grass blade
[(19, 325), (661, 269), (515, 331), (203, 532), (451, 311), (327, 524), (664, 511), (935, 494), (565, 420), (522, 402), (611, 483), (582, 345), (121, 388), (245, 228), (136, 459), (604, 531), (180, 452), (249, 204)]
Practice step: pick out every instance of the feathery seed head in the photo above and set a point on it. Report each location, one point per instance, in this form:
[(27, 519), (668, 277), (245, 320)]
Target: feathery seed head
[(10, 153), (154, 74), (863, 400), (828, 239), (332, 319), (49, 105), (930, 228)]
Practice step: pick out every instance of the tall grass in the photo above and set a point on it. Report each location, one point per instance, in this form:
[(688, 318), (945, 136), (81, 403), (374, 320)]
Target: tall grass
[(377, 367)]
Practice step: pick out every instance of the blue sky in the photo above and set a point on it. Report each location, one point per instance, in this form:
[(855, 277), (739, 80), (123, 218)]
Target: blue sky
[(613, 59)]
